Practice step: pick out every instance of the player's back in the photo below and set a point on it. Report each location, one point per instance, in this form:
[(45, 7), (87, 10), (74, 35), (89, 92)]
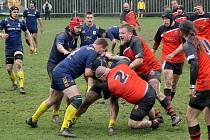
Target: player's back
[(124, 82), (113, 33), (76, 62)]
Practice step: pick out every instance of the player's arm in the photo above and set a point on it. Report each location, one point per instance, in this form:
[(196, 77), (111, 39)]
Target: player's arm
[(177, 51), (89, 63), (192, 58), (110, 56), (2, 34), (40, 22), (59, 43), (29, 38), (138, 50), (122, 16), (157, 40)]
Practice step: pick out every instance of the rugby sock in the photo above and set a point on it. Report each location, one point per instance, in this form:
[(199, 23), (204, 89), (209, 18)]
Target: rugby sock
[(20, 75), (194, 132), (208, 131), (35, 50), (167, 93), (40, 110), (142, 15), (111, 123), (69, 115), (55, 112), (172, 95), (165, 103), (13, 78)]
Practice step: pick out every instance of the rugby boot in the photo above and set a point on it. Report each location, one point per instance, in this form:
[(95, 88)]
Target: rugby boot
[(22, 90), (32, 124), (66, 133), (175, 120)]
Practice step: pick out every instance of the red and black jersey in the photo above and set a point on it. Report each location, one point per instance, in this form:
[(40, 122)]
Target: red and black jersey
[(180, 18), (201, 55), (129, 17), (202, 25), (171, 40), (138, 48), (124, 82)]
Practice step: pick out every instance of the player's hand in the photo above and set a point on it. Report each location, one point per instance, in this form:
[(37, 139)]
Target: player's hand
[(153, 50), (108, 55), (66, 52), (4, 36), (192, 93), (169, 56)]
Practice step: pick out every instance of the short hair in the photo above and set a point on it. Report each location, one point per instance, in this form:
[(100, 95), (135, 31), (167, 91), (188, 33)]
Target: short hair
[(198, 4), (89, 13), (101, 41), (128, 27)]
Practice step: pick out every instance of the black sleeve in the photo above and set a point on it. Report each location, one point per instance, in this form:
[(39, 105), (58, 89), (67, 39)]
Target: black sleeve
[(138, 48), (158, 34), (193, 71), (191, 54), (122, 16)]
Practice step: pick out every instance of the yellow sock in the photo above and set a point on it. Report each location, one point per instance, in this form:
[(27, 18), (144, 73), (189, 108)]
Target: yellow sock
[(88, 88), (35, 50), (55, 112), (13, 78), (69, 115), (20, 75), (112, 123), (40, 110), (142, 15)]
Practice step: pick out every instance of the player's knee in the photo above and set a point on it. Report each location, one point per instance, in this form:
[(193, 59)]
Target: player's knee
[(76, 101), (18, 60)]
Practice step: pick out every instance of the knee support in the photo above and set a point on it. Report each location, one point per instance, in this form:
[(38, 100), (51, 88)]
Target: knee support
[(76, 101), (19, 57)]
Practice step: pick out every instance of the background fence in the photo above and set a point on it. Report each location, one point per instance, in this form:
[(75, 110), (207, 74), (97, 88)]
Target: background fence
[(111, 7)]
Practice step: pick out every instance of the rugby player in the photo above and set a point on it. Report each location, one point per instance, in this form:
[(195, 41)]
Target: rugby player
[(113, 34), (181, 15), (14, 49), (201, 20), (129, 17), (64, 43), (90, 32), (197, 54), (123, 82), (73, 66), (169, 35), (174, 5), (31, 15), (146, 65)]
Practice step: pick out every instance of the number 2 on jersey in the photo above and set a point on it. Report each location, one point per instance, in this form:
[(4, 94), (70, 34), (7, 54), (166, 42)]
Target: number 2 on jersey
[(122, 77)]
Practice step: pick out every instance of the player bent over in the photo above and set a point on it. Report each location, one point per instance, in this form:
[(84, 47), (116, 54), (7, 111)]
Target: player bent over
[(77, 63), (122, 82), (64, 43)]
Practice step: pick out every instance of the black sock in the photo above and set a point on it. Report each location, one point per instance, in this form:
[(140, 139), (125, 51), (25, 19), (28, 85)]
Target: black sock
[(167, 93), (172, 95), (166, 104), (194, 132)]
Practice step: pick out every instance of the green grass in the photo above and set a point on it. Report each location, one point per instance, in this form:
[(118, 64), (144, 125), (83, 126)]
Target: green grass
[(15, 108)]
